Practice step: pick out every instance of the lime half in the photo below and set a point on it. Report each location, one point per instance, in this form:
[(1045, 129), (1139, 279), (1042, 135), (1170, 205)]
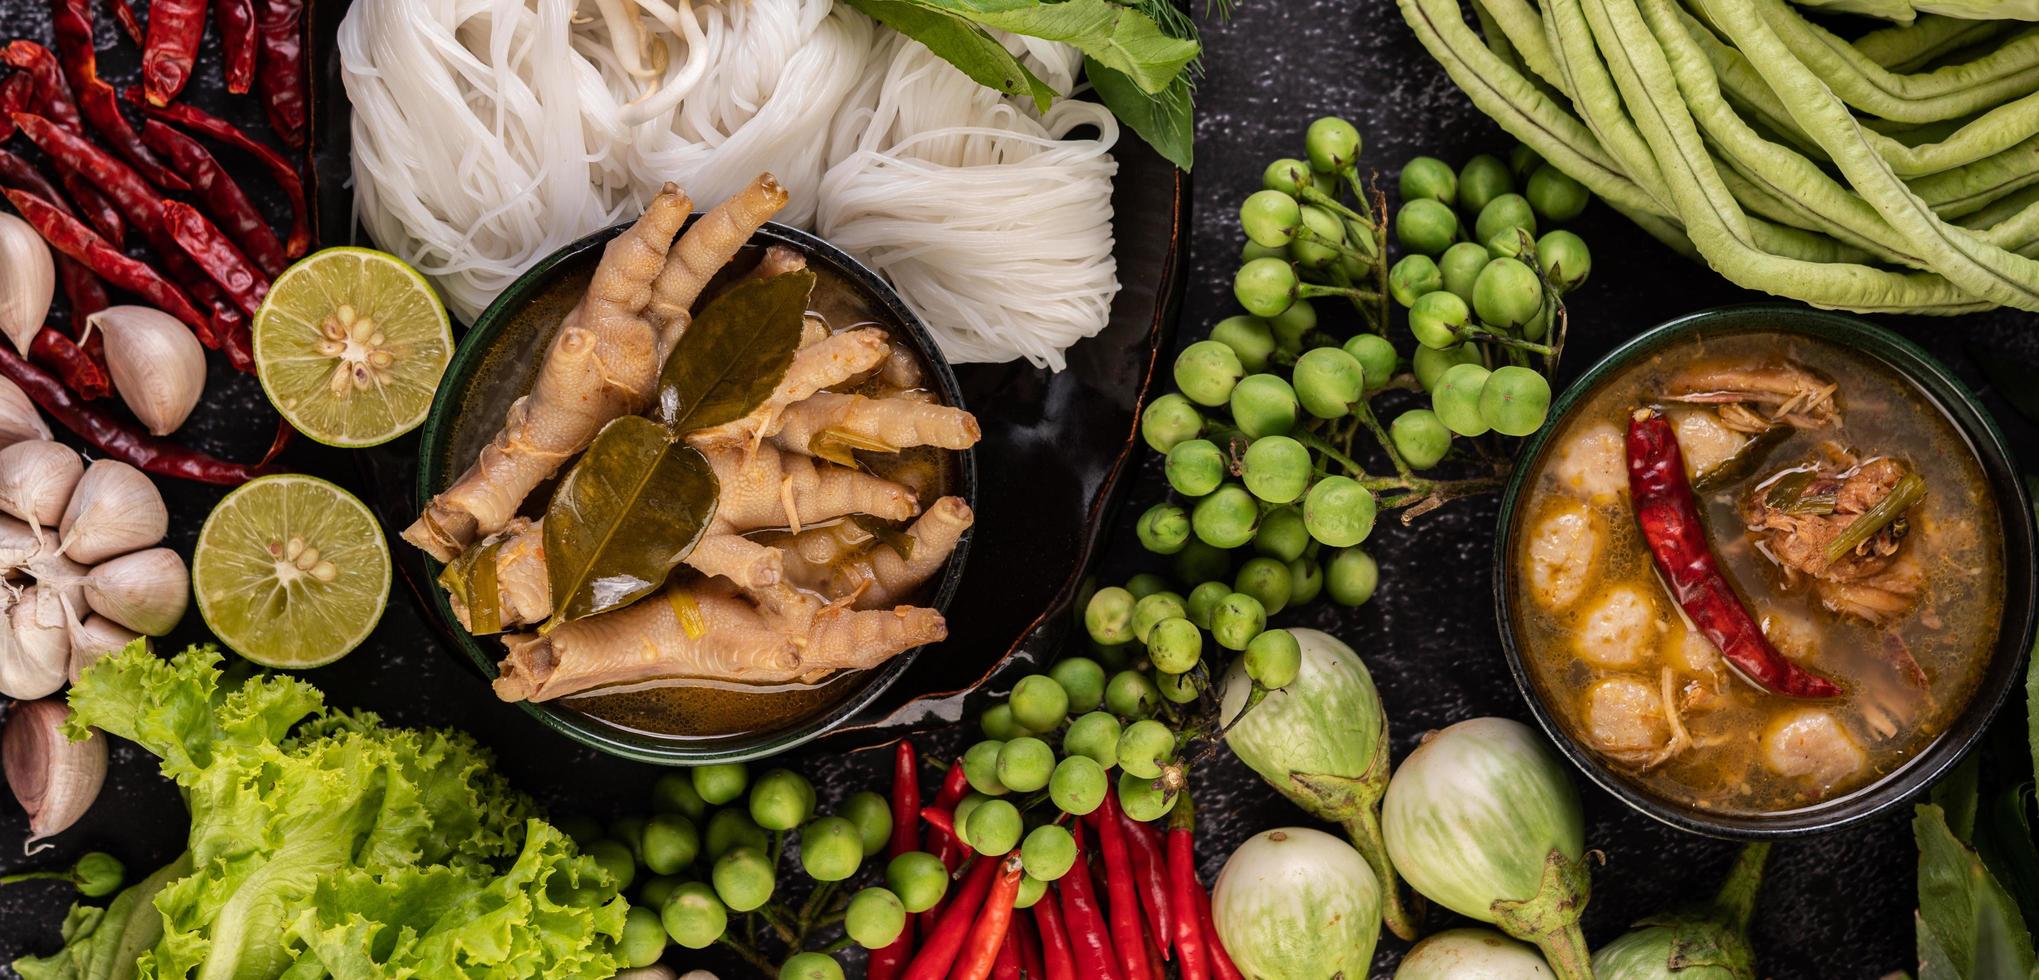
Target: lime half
[(291, 571), (349, 346)]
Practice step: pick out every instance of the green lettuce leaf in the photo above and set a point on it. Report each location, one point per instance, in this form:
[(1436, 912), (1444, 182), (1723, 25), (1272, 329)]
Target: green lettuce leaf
[(326, 844)]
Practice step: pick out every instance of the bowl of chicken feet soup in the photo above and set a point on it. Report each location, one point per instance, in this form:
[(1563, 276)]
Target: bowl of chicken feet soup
[(696, 488), (1768, 571)]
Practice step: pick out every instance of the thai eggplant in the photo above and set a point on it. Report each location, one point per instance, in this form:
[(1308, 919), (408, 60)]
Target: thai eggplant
[(1710, 942), (1472, 954), (1295, 902)]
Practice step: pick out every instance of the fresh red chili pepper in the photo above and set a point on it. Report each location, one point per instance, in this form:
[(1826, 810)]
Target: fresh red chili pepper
[(280, 69), (70, 236), (220, 195), (282, 170), (1150, 879), (1153, 947), (235, 20), (71, 363), (97, 211), (945, 940), (209, 248), (988, 935), (1222, 966), (944, 844), (124, 13), (1032, 966), (1670, 522), (887, 962), (1123, 901), (96, 99), (1089, 941), (175, 27), (1007, 964), (1187, 937), (1058, 962), (117, 439), (52, 96), (17, 94), (944, 821)]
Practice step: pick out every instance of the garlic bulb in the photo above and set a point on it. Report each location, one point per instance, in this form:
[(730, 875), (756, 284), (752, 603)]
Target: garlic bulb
[(28, 281), (94, 638), (17, 544), (114, 509), (18, 418), (34, 659), (36, 478), (58, 580), (145, 591), (54, 778), (157, 365)]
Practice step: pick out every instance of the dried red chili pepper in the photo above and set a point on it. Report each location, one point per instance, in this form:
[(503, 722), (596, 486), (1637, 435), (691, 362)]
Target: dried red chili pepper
[(208, 247), (1193, 957), (945, 941), (282, 170), (17, 94), (70, 236), (1123, 901), (124, 13), (1089, 940), (1150, 879), (220, 195), (235, 20), (117, 439), (81, 288), (52, 94), (1007, 964), (1670, 522), (1058, 961), (994, 920), (280, 69), (71, 363), (96, 99), (175, 27), (1222, 966), (93, 206)]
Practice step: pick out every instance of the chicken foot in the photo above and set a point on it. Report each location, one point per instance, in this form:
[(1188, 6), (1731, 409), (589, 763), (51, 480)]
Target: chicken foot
[(707, 631), (704, 250)]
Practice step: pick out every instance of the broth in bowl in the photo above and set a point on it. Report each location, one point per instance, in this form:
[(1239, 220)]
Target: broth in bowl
[(1851, 567)]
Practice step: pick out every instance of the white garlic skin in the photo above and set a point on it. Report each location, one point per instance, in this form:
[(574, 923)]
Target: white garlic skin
[(36, 480), (28, 281), (35, 660), (114, 509), (54, 778), (157, 365), (19, 421), (145, 591)]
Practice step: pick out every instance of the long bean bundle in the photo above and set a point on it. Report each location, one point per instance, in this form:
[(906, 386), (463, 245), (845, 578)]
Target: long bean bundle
[(1897, 171)]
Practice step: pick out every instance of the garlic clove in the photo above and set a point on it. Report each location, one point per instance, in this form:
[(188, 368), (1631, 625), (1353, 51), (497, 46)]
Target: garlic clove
[(54, 778), (19, 421), (36, 479), (145, 591), (114, 509), (28, 281), (35, 660), (58, 580), (157, 365), (18, 544), (94, 638)]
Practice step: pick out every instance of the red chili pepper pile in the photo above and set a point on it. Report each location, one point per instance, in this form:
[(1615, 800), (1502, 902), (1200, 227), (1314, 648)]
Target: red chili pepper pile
[(213, 253), (1155, 909)]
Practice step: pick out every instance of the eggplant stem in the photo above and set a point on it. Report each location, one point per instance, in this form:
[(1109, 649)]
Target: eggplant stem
[(1736, 903), (1363, 827)]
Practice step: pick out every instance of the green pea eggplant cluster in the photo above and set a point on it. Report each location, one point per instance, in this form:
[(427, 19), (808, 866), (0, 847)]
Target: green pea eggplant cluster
[(1892, 171)]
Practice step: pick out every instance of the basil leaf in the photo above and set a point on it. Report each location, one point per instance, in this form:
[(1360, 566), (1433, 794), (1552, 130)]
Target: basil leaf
[(728, 361), (1968, 925), (963, 44), (1165, 121), (631, 509), (1120, 38)]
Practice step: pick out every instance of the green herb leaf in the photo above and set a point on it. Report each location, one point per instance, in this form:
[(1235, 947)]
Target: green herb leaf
[(963, 44), (631, 509), (1968, 925), (891, 534), (1120, 38), (731, 357), (471, 580), (1165, 121)]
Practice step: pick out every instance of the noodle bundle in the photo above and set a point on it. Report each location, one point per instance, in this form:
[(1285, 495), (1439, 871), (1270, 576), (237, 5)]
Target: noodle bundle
[(488, 133)]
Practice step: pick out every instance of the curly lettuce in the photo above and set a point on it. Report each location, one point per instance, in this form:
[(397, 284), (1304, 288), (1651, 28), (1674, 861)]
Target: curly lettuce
[(326, 844)]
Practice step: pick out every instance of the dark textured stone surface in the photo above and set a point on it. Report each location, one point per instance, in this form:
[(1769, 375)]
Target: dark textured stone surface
[(1836, 907)]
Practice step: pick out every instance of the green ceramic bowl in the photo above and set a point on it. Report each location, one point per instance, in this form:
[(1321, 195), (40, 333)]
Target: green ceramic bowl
[(2021, 569), (496, 363)]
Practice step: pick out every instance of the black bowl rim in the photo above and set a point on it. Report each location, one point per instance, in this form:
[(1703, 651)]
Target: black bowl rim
[(2014, 638), (611, 739)]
